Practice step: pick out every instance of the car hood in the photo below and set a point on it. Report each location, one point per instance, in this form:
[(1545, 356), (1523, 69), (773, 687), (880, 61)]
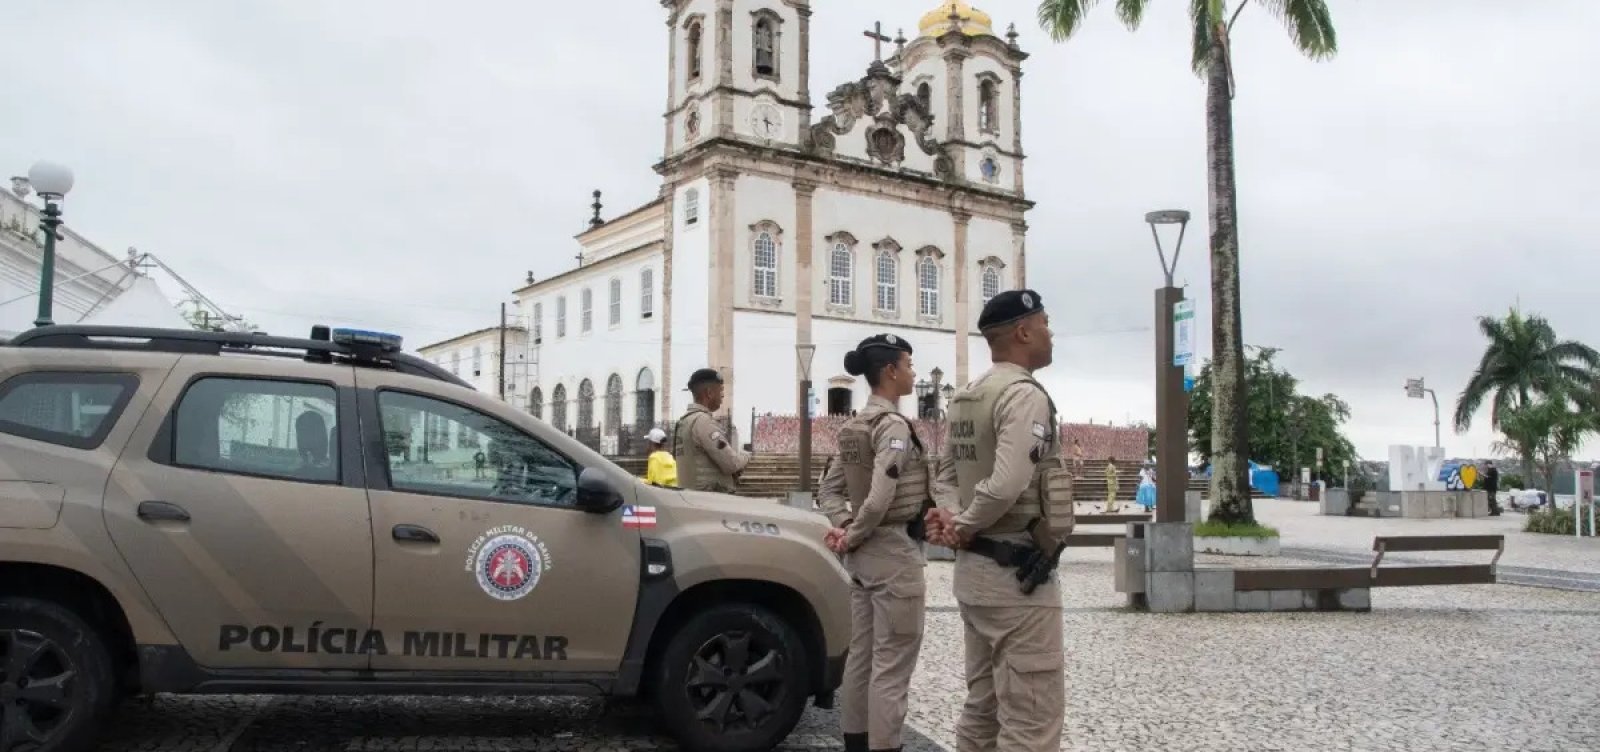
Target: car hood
[(769, 509)]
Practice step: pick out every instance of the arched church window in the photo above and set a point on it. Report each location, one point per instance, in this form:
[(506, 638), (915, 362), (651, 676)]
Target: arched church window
[(989, 107), (644, 409), (585, 405), (765, 281), (613, 405), (616, 301), (647, 292), (765, 42), (925, 96), (888, 287), (991, 283), (928, 287), (696, 37), (841, 275), (558, 407), (536, 403)]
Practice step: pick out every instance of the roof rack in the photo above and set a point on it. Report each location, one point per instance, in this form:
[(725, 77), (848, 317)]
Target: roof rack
[(365, 349)]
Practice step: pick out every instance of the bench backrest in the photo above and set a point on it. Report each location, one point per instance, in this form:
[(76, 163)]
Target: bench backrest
[(1402, 543)]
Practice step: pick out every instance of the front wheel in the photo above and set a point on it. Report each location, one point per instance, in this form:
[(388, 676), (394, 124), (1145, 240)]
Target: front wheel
[(55, 678), (734, 678)]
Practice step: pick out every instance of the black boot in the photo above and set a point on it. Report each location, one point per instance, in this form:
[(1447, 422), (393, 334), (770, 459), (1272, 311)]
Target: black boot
[(855, 743)]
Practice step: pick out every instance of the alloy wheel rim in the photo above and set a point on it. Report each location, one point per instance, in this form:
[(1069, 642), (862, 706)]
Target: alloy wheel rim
[(736, 682), (36, 685)]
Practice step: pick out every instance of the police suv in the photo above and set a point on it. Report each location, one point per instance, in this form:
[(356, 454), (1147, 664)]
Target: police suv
[(206, 512)]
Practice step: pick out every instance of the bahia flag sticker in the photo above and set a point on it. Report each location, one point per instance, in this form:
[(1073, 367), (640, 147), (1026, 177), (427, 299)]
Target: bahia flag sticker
[(638, 517)]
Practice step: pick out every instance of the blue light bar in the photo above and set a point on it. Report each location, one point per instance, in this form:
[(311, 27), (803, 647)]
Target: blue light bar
[(383, 340)]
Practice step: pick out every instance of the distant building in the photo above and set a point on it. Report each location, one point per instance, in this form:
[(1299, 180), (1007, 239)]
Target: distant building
[(475, 357)]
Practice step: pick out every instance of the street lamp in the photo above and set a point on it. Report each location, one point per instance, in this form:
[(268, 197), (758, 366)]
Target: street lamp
[(1414, 390), (924, 389), (1172, 403), (804, 353), (52, 182)]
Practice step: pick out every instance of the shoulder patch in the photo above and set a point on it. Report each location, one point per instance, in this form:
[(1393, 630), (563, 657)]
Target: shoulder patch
[(716, 436), (1040, 431), (893, 472), (897, 445), (721, 445)]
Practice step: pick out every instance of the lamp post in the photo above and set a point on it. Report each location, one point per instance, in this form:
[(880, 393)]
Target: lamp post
[(52, 182), (804, 353), (1172, 403), (949, 391), (1414, 390), (924, 389)]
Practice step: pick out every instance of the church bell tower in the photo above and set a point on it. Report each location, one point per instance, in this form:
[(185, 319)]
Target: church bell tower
[(738, 69)]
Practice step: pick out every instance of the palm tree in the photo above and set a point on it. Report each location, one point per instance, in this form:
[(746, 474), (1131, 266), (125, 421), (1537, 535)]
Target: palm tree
[(1310, 26), (1524, 360)]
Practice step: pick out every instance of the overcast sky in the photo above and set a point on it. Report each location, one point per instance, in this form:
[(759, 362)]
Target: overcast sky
[(393, 164)]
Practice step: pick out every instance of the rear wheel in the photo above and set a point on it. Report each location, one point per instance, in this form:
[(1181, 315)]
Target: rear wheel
[(55, 678), (734, 678)]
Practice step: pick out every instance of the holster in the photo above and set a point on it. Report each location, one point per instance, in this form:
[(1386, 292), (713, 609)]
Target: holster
[(1004, 553), (917, 528)]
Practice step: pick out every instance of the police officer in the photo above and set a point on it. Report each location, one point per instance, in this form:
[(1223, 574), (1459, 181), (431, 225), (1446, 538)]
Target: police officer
[(707, 460), (874, 492), (1005, 472)]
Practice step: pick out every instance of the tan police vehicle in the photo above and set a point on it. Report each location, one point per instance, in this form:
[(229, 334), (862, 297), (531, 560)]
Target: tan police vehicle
[(202, 512)]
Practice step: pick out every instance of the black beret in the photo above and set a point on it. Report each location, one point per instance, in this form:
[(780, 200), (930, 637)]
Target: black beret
[(704, 376), (885, 341), (1009, 307)]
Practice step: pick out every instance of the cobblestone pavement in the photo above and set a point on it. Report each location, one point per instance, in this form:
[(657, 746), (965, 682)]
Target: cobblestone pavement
[(1483, 667)]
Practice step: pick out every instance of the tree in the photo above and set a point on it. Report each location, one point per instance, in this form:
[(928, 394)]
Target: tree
[(1310, 27), (1286, 427), (1546, 433)]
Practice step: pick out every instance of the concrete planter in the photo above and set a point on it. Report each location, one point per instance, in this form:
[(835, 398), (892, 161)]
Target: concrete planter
[(1236, 546)]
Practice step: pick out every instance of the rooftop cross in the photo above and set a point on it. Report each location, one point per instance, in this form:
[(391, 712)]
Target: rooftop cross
[(878, 38)]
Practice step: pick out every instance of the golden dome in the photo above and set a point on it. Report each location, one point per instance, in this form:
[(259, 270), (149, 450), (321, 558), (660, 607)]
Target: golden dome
[(974, 22)]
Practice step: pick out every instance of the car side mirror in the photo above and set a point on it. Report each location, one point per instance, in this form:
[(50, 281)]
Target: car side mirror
[(596, 495)]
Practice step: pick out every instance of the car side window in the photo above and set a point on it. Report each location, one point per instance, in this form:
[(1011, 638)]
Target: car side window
[(277, 429), (441, 449), (65, 408)]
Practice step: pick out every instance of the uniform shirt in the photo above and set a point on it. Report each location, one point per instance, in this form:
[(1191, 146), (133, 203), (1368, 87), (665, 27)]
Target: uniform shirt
[(707, 435), (833, 497), (1019, 409), (891, 441), (662, 469)]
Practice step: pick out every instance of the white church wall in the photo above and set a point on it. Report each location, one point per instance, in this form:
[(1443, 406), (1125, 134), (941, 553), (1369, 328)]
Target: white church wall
[(972, 71), (707, 11), (691, 289), (634, 343), (931, 70), (762, 203), (986, 238), (768, 377), (639, 228), (870, 221)]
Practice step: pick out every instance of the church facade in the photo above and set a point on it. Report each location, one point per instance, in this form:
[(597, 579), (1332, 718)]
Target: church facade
[(897, 204)]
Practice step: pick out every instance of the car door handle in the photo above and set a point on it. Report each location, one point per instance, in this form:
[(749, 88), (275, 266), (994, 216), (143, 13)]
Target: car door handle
[(161, 511), (414, 534)]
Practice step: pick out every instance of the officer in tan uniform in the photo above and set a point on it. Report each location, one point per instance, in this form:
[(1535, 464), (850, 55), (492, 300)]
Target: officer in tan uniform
[(1010, 490), (876, 492), (707, 459)]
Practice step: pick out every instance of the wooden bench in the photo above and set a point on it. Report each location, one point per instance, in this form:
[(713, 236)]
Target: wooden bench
[(1341, 578)]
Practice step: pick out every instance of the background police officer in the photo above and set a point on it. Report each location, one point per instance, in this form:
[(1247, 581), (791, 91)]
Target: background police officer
[(1003, 461), (707, 458), (876, 485)]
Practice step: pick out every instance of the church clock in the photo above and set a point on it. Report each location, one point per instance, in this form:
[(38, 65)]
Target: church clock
[(766, 121)]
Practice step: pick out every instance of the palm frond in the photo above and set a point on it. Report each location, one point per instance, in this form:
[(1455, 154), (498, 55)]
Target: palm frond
[(1062, 18), (1310, 25), (1570, 351), (1131, 12), (1472, 396), (1200, 15)]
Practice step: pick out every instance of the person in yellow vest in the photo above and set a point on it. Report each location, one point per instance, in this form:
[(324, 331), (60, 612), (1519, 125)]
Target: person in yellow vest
[(1113, 484), (875, 493), (707, 460), (662, 468), (1008, 484)]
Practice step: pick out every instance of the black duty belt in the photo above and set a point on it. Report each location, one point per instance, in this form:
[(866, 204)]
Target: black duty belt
[(1005, 554)]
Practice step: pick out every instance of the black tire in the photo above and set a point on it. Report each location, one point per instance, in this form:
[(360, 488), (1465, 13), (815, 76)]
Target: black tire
[(56, 684), (691, 680)]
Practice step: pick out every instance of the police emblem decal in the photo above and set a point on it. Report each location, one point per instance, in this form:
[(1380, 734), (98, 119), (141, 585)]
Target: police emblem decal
[(508, 562), (891, 340), (1027, 301)]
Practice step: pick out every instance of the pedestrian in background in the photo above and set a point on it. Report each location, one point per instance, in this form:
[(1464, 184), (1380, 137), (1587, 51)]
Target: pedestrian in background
[(662, 468)]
